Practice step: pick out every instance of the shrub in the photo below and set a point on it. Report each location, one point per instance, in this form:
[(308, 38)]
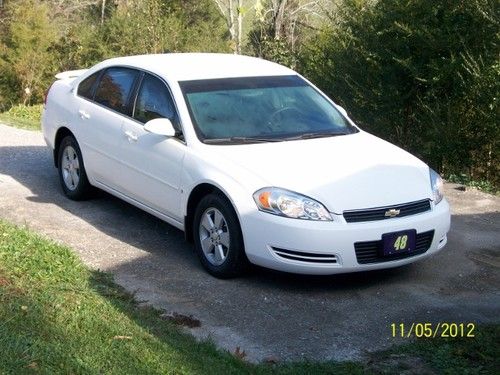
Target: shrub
[(419, 73)]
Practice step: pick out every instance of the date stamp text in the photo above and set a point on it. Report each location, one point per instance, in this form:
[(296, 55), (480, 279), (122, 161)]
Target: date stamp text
[(433, 330)]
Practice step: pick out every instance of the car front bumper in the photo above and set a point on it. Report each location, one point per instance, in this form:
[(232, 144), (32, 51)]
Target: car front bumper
[(322, 248)]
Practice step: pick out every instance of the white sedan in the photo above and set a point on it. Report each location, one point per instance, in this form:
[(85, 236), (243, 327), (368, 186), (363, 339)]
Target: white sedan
[(251, 160)]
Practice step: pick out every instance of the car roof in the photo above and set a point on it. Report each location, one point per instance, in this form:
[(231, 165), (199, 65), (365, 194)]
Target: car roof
[(196, 66)]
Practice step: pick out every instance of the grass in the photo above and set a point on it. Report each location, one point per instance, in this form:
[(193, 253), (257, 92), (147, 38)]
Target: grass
[(478, 355), (466, 180), (57, 316), (22, 116)]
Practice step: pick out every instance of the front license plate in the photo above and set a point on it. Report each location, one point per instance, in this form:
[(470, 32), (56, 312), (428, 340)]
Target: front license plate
[(399, 242)]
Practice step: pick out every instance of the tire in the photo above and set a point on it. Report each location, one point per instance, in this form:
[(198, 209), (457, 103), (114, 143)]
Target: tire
[(217, 238), (72, 175)]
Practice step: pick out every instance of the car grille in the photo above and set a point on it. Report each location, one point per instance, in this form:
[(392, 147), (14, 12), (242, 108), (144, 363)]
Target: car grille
[(372, 252), (305, 257), (372, 214)]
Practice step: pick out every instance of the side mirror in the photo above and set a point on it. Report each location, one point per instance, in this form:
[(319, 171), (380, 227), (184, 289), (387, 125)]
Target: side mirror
[(160, 126), (342, 110)]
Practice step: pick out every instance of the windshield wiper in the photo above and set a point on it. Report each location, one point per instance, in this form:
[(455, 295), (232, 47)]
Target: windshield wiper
[(314, 135), (265, 140), (241, 140)]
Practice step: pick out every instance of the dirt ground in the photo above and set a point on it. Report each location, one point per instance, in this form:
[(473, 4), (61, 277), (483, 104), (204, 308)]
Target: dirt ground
[(266, 314)]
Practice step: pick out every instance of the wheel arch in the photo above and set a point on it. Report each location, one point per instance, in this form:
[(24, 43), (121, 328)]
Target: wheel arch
[(62, 132), (195, 196)]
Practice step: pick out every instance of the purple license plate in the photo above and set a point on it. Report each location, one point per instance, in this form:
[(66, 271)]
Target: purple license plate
[(399, 242)]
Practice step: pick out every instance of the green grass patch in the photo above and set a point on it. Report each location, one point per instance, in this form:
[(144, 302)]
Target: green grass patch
[(460, 355), (478, 355), (23, 116), (57, 316)]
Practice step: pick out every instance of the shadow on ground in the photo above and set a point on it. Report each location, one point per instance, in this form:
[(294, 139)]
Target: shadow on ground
[(265, 313), (33, 168)]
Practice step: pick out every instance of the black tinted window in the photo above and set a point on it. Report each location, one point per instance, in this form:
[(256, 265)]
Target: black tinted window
[(153, 100), (86, 87), (114, 88)]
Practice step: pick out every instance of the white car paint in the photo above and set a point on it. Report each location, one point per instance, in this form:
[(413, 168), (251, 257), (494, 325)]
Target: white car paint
[(361, 164), (157, 174)]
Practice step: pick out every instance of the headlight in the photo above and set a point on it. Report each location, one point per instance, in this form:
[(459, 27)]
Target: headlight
[(436, 186), (287, 203)]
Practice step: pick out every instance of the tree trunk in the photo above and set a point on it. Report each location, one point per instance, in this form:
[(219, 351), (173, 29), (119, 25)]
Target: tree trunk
[(240, 26), (278, 21), (103, 8), (232, 30)]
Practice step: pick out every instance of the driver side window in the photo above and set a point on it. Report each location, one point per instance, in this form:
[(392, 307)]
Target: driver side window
[(153, 101)]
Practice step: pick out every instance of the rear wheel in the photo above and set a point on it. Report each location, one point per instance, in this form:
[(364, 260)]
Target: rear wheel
[(72, 176), (217, 237)]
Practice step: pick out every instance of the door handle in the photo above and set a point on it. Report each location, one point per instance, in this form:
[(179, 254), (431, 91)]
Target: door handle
[(83, 115), (132, 137)]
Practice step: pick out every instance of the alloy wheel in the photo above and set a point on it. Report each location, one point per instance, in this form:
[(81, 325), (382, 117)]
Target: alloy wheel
[(70, 168), (214, 236)]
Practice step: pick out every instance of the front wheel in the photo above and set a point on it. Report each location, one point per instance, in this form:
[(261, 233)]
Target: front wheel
[(217, 237), (74, 181)]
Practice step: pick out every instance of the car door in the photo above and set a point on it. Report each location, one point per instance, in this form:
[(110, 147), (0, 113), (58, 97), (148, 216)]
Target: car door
[(102, 107), (152, 162)]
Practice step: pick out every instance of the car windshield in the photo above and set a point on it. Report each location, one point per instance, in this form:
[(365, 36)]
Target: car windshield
[(261, 109)]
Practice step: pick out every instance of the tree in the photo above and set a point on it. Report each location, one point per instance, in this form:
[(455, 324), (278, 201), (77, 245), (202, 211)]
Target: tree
[(279, 26), (39, 39), (422, 74), (157, 26), (232, 11), (26, 61)]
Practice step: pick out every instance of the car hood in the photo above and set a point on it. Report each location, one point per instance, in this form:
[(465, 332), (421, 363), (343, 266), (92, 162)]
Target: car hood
[(344, 172)]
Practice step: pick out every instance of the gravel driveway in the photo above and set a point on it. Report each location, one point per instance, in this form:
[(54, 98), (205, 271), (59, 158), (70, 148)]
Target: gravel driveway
[(266, 313)]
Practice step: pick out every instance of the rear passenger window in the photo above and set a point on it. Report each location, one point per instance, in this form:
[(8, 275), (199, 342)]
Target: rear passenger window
[(153, 100), (86, 87), (114, 88)]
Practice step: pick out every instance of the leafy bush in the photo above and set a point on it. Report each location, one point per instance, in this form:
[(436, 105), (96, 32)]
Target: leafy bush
[(465, 179), (25, 62), (419, 73), (25, 112), (23, 116), (40, 39)]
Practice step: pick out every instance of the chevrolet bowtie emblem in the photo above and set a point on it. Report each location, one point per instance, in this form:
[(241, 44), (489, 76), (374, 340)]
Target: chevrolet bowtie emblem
[(392, 213)]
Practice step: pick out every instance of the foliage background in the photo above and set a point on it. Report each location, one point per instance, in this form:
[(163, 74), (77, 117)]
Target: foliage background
[(422, 74), (40, 38)]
